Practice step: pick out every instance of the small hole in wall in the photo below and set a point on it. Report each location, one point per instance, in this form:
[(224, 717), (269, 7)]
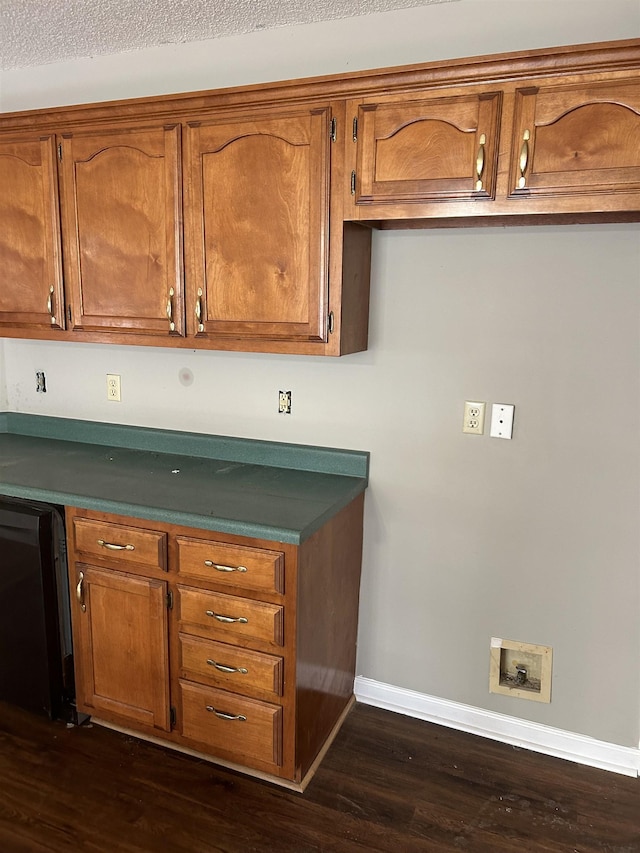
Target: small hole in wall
[(41, 382)]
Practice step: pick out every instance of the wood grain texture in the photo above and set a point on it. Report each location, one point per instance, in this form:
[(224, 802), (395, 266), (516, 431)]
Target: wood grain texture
[(231, 667), (121, 646), (228, 617), (293, 629), (583, 141), (389, 783), (232, 725), (328, 595), (129, 548), (269, 266), (217, 562), (426, 149), (121, 204), (256, 230), (31, 296)]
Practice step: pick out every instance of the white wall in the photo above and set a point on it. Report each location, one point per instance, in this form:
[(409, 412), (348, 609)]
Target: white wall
[(466, 537)]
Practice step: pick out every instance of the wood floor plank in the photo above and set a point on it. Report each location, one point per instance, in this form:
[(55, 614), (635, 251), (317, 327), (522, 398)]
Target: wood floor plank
[(389, 784)]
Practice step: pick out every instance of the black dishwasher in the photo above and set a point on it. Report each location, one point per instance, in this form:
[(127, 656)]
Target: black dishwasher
[(36, 657)]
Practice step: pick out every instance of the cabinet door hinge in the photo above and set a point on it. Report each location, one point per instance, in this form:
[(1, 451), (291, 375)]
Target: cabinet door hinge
[(333, 133), (172, 717), (355, 129), (69, 312), (170, 600), (353, 183), (330, 322), (60, 151)]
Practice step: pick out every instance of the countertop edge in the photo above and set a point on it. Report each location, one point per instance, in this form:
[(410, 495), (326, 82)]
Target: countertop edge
[(324, 460)]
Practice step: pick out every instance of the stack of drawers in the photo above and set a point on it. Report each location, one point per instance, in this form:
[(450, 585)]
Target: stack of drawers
[(230, 613)]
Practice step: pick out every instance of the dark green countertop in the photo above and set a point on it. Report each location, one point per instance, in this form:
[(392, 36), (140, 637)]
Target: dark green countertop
[(265, 490)]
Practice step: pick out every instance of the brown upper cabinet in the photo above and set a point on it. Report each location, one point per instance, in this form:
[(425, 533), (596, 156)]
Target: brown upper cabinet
[(240, 219), (554, 145), (257, 226), (578, 141), (427, 149), (31, 291), (122, 236), (247, 199)]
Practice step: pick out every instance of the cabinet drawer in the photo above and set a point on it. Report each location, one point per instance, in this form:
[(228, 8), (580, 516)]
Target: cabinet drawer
[(230, 667), (232, 723), (252, 568), (119, 543), (229, 616)]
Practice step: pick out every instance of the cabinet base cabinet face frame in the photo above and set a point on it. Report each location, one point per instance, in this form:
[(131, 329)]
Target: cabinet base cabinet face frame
[(255, 729)]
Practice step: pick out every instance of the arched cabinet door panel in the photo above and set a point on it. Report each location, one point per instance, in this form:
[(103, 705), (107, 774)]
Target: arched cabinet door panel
[(31, 295), (577, 140), (256, 232), (121, 200), (427, 148)]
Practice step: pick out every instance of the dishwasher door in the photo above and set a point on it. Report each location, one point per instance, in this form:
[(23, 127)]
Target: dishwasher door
[(36, 661)]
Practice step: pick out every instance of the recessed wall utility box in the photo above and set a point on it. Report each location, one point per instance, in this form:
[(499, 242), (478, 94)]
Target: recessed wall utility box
[(520, 669)]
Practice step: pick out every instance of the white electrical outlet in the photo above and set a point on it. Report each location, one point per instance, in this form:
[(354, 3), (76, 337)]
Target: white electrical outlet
[(473, 421), (113, 387), (284, 402), (501, 420)]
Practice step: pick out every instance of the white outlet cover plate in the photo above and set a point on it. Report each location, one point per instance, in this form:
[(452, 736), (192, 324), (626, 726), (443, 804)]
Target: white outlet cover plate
[(473, 421), (502, 420)]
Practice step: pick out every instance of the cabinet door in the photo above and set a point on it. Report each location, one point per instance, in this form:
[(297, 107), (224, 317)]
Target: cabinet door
[(257, 237), (31, 295), (122, 213), (121, 646), (427, 149), (577, 140)]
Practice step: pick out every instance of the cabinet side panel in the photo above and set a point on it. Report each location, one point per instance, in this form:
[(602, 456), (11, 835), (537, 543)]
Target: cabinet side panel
[(356, 277), (328, 596)]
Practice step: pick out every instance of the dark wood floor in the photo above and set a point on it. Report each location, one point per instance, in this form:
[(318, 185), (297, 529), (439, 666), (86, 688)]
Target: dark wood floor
[(388, 783)]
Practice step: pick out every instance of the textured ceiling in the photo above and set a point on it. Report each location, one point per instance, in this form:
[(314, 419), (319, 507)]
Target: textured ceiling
[(38, 32)]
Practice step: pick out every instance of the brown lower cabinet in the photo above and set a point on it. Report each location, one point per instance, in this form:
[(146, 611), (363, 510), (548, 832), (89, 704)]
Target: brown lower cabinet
[(240, 650)]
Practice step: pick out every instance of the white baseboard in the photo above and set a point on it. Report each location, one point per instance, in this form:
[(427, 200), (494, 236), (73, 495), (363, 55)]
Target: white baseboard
[(511, 730)]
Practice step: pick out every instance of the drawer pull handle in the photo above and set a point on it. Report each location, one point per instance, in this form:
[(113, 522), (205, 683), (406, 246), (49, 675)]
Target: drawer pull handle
[(220, 568), (227, 619), (240, 717), (113, 547), (223, 668)]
